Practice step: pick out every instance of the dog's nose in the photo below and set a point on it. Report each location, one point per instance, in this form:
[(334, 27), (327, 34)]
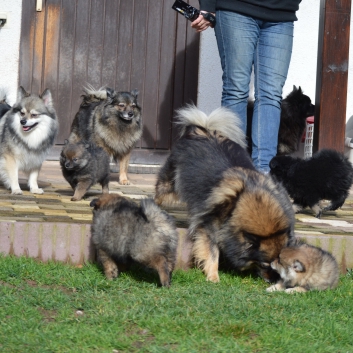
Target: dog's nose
[(23, 121), (67, 165), (130, 114)]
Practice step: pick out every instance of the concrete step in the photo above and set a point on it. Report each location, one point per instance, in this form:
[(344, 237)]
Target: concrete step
[(51, 227)]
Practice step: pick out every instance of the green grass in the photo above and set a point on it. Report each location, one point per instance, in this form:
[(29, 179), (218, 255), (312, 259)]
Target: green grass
[(39, 306)]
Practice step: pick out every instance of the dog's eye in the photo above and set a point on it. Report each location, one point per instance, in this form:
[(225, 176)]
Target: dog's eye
[(22, 113), (121, 105), (34, 115), (133, 105), (75, 159)]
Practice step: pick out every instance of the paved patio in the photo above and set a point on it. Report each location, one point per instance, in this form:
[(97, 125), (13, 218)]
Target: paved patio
[(51, 227)]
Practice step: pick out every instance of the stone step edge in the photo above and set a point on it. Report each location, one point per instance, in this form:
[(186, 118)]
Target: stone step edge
[(71, 243)]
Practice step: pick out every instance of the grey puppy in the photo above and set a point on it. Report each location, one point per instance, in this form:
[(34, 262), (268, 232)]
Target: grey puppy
[(123, 231), (112, 120), (304, 267), (84, 165)]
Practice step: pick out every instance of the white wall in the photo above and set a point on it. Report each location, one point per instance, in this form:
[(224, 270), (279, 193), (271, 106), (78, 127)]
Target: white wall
[(10, 47), (302, 70)]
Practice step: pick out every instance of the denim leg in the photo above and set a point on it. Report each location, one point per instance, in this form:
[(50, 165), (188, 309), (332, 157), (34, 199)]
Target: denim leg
[(237, 38), (271, 62)]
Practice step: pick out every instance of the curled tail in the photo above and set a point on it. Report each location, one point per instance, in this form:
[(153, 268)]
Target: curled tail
[(222, 120)]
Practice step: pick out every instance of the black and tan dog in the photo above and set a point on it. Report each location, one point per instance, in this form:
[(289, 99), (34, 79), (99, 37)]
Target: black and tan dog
[(112, 120), (83, 165), (123, 231), (234, 210)]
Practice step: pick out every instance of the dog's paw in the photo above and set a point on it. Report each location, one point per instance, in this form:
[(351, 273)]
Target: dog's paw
[(295, 290), (297, 208), (272, 289), (124, 182), (37, 191), (16, 192), (213, 278), (74, 198)]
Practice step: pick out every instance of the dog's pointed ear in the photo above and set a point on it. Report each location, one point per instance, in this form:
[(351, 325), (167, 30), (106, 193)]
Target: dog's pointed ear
[(294, 88), (94, 203), (298, 266), (47, 98), (110, 92), (22, 93), (135, 93)]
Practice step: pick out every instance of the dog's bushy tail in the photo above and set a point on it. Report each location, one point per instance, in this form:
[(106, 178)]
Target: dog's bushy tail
[(222, 120), (100, 93)]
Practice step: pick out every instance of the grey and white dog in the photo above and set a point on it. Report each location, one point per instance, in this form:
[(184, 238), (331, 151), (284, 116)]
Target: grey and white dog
[(27, 132)]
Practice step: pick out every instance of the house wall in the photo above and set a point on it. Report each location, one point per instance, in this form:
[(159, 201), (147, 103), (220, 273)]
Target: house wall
[(10, 47), (302, 70)]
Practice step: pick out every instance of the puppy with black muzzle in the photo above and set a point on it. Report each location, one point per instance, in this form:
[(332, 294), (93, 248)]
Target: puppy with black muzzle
[(84, 165), (304, 267), (123, 231), (327, 175)]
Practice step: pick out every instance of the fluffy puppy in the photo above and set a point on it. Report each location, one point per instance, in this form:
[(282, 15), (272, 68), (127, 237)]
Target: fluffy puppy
[(304, 267), (327, 175), (83, 165), (295, 108), (234, 210), (123, 231)]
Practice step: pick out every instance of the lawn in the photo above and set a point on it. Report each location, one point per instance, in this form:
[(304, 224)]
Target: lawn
[(54, 307)]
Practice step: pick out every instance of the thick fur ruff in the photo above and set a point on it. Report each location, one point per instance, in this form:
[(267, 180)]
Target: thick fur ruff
[(233, 208), (304, 267), (84, 165), (112, 120), (123, 231), (327, 175), (27, 133), (295, 108)]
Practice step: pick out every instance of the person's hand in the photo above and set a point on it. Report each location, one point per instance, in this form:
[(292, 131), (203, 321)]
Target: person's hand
[(200, 24)]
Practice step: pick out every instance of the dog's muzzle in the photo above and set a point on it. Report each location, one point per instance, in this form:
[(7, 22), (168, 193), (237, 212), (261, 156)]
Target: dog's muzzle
[(127, 116), (25, 127)]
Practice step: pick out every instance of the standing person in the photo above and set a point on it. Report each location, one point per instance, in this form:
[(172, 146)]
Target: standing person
[(255, 33)]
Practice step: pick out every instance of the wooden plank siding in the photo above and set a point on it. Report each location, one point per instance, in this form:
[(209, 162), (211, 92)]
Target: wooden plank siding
[(124, 44), (332, 75)]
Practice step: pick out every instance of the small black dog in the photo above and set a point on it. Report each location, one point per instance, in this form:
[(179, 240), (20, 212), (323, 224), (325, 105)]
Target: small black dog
[(295, 108), (327, 175), (83, 165)]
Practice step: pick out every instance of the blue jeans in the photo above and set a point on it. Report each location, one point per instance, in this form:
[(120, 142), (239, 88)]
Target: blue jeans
[(243, 42)]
